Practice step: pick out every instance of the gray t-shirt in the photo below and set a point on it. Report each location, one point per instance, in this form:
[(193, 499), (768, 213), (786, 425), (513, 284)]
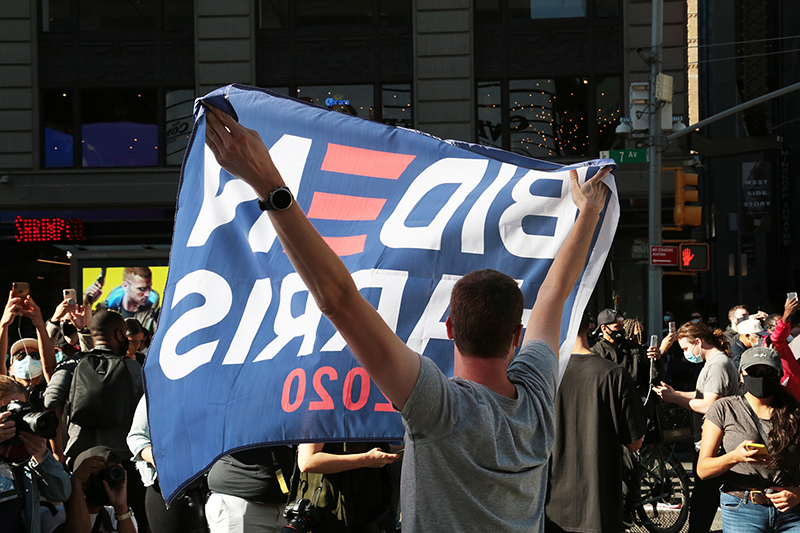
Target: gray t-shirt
[(718, 376), (476, 461), (732, 416)]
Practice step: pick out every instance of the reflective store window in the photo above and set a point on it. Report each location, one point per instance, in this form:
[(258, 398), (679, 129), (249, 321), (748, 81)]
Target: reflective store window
[(609, 106), (547, 117), (180, 121), (396, 105), (355, 100), (56, 16), (59, 128), (119, 128), (490, 114)]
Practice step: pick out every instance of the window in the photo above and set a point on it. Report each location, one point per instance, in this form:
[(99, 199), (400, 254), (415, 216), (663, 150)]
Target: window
[(396, 105), (356, 100), (180, 120), (58, 128), (491, 11), (277, 14), (549, 117), (118, 127)]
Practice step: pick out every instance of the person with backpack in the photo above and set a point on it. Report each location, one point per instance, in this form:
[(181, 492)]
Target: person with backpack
[(96, 394)]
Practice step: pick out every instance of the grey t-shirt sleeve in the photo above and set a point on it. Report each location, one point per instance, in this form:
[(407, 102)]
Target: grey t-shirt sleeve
[(433, 402)]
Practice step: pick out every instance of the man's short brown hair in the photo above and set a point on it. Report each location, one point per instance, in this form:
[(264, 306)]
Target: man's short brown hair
[(485, 310), (9, 386), (142, 272), (733, 310)]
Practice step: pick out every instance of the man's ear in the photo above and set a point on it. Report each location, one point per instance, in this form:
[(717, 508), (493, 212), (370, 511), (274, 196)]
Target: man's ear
[(448, 324), (517, 335)]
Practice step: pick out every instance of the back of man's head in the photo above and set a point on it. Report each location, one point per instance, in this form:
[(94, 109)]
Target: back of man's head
[(104, 323), (485, 310)]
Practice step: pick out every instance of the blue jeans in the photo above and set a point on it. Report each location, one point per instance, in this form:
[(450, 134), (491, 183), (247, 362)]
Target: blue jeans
[(743, 516)]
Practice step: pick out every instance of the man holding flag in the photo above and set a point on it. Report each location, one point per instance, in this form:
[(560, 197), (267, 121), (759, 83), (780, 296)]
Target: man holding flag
[(477, 445)]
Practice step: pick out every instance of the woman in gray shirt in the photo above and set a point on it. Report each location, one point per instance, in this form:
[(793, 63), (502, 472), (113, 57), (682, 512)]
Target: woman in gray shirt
[(753, 441)]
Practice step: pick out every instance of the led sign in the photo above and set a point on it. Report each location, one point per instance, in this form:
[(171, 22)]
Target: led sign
[(49, 229)]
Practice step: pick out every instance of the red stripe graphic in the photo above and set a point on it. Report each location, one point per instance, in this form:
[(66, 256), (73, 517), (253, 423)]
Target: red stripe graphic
[(346, 245), (362, 162), (329, 206)]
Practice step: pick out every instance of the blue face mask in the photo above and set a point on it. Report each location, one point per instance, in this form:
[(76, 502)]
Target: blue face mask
[(27, 368), (691, 357), (667, 318)]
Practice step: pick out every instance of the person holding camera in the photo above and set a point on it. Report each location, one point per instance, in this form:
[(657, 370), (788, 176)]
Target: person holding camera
[(28, 469), (98, 502)]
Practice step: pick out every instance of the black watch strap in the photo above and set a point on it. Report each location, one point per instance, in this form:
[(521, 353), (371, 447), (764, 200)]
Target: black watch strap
[(278, 199)]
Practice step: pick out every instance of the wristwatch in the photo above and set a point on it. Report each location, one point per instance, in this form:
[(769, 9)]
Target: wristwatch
[(279, 199), (125, 516)]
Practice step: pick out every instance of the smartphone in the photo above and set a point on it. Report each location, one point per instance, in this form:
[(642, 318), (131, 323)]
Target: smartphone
[(791, 296), (672, 327), (21, 289), (762, 450), (69, 296), (654, 341)]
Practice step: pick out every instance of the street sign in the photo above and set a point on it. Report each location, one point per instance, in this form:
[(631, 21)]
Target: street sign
[(664, 255), (694, 256), (636, 155)]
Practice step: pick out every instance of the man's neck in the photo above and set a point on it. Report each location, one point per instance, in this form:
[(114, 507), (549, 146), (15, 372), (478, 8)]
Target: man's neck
[(129, 305), (492, 373)]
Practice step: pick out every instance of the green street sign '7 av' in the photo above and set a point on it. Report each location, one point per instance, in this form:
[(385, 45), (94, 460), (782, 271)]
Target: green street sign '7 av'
[(636, 155)]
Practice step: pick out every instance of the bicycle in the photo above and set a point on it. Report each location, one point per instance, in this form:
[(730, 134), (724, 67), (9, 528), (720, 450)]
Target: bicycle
[(660, 493)]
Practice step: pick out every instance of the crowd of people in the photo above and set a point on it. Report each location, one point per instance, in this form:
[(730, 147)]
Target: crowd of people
[(498, 447)]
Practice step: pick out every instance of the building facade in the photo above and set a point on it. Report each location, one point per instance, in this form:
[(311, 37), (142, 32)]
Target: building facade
[(96, 99)]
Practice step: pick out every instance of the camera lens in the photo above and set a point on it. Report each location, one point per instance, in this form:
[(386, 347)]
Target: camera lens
[(115, 474), (42, 424)]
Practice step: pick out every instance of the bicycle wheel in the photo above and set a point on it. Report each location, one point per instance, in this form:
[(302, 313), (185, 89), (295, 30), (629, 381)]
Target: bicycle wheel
[(663, 505)]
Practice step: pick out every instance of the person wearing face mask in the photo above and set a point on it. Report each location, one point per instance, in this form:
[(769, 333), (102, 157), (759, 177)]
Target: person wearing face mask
[(717, 379), (27, 469), (760, 488), (630, 355), (778, 328), (43, 359), (751, 334)]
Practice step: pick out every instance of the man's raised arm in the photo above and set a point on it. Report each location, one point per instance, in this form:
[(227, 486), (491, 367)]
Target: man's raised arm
[(390, 363), (544, 323)]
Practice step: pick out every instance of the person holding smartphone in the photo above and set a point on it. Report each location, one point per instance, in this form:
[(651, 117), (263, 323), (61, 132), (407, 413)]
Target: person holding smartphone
[(760, 492)]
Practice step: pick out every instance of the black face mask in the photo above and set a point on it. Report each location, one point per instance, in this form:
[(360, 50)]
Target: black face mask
[(616, 335), (762, 387)]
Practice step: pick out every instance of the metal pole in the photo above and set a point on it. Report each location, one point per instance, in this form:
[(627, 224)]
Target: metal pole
[(736, 109), (654, 274)]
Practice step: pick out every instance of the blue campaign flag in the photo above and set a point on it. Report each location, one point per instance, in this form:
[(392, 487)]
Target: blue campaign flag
[(243, 357)]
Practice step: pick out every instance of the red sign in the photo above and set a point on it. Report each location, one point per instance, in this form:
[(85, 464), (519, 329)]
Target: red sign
[(664, 255), (49, 229)]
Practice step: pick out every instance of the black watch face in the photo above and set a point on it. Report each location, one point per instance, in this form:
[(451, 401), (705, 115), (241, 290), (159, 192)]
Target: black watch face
[(281, 199)]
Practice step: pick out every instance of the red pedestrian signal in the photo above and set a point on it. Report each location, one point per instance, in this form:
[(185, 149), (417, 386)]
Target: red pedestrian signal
[(693, 257)]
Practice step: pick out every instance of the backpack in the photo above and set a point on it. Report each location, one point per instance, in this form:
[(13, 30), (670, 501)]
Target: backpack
[(101, 395)]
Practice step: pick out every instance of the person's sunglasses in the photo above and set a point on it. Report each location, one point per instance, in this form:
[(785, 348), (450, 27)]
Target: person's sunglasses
[(19, 356), (763, 372)]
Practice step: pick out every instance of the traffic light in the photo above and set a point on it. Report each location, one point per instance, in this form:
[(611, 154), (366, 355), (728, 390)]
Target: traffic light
[(686, 215), (693, 256)]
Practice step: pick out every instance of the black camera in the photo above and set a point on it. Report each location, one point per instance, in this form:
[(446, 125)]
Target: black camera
[(114, 475), (302, 515), (27, 419)]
